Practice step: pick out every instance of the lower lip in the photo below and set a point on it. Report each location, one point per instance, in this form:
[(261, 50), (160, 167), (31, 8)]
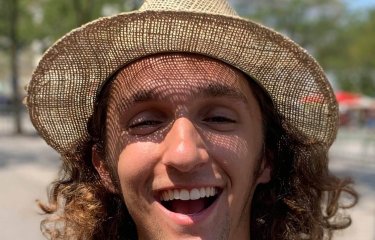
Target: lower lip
[(190, 219)]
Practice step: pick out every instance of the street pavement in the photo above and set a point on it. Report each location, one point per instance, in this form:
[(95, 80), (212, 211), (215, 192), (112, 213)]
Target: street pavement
[(28, 165)]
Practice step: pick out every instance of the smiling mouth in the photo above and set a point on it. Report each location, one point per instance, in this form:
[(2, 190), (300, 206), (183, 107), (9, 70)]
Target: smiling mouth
[(189, 202)]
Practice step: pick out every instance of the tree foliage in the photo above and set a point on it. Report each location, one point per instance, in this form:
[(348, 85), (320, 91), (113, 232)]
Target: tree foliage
[(50, 19), (303, 21), (25, 24), (61, 16), (341, 39), (351, 56)]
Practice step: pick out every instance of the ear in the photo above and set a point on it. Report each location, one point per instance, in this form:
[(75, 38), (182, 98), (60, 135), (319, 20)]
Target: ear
[(100, 167), (264, 174)]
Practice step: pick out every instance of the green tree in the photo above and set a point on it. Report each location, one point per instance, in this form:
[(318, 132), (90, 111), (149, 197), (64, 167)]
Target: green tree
[(14, 20), (25, 21), (309, 23), (61, 16), (17, 15), (350, 57), (341, 40)]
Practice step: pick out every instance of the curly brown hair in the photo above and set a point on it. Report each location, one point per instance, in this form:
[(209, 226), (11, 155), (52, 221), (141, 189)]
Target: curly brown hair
[(300, 202)]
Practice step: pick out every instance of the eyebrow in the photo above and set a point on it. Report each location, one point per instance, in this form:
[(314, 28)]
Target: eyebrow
[(211, 90)]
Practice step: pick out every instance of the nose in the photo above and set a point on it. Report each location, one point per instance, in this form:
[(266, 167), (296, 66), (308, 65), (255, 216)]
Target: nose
[(184, 147)]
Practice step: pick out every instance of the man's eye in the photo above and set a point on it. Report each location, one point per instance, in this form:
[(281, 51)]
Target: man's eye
[(144, 123), (144, 126), (218, 119)]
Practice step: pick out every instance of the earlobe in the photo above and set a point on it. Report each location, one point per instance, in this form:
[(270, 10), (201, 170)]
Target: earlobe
[(100, 167), (264, 173)]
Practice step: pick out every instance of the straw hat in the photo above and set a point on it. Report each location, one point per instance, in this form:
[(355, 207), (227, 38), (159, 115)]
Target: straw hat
[(64, 86)]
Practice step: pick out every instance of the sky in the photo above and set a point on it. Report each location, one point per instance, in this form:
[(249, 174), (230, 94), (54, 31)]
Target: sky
[(360, 4)]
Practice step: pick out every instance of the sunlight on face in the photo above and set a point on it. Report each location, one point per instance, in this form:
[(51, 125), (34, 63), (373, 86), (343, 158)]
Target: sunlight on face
[(186, 132)]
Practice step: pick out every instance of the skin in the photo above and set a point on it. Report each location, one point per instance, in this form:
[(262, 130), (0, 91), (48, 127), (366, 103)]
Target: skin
[(183, 121)]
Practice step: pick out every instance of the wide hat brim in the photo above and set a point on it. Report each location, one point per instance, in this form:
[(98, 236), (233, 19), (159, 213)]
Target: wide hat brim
[(64, 86)]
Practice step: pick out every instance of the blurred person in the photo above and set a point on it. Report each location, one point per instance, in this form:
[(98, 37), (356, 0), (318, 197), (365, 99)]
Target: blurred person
[(184, 121)]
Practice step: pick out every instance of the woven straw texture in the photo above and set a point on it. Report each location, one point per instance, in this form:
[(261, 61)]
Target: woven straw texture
[(64, 86)]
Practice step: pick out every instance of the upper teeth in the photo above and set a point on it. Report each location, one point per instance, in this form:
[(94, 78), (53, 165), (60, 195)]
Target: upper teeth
[(184, 194)]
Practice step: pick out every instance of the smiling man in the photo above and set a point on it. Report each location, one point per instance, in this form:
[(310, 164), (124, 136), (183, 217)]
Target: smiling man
[(185, 137), (184, 121)]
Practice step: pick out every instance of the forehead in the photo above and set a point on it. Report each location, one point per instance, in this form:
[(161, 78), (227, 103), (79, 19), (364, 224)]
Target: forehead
[(174, 76)]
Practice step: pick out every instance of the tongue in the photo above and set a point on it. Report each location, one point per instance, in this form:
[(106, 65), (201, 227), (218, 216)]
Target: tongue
[(187, 207)]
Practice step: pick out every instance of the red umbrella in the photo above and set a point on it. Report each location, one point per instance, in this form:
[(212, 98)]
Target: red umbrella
[(347, 98)]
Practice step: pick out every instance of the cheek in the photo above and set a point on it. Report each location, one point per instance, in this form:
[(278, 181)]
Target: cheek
[(135, 167), (236, 153)]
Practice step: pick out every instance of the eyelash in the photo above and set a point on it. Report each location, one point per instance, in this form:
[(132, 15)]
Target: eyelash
[(144, 123), (147, 123), (219, 119)]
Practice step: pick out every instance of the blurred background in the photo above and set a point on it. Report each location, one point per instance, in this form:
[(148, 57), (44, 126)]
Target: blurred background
[(340, 34)]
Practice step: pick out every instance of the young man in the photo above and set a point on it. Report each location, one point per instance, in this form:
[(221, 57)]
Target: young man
[(184, 121)]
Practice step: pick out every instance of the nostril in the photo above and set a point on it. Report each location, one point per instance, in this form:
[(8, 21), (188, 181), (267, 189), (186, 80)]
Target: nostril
[(185, 158), (184, 162)]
